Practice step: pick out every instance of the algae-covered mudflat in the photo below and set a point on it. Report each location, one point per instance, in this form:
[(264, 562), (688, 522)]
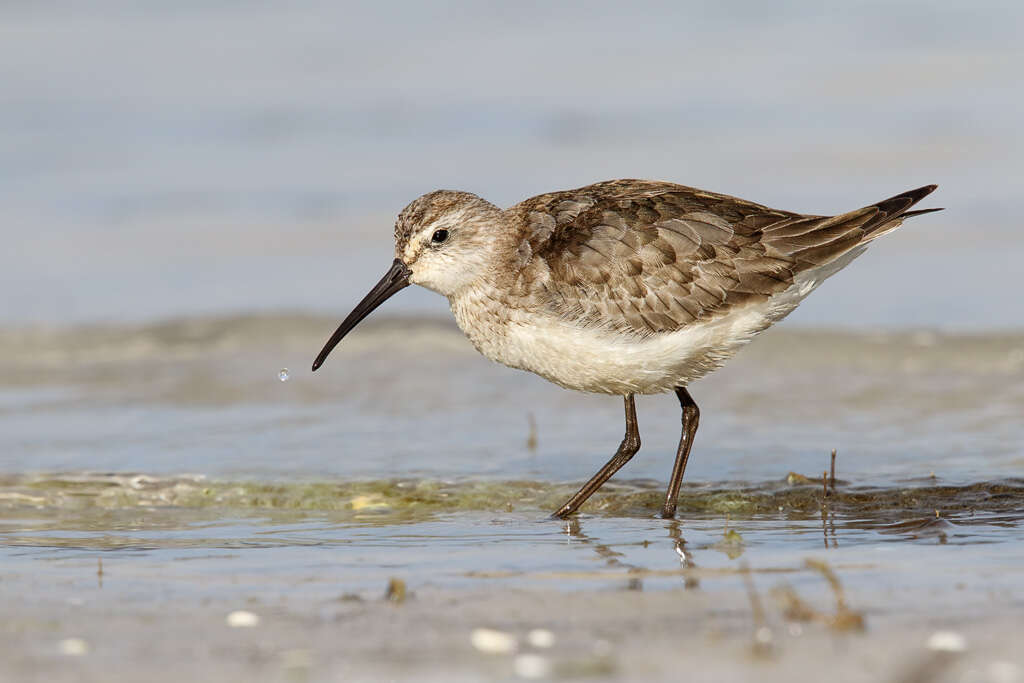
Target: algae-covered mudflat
[(387, 517)]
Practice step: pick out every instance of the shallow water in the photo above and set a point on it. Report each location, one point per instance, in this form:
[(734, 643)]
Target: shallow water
[(164, 468), (410, 397), (408, 434), (352, 536)]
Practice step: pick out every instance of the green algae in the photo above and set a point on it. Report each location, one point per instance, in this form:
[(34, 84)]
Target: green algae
[(393, 499)]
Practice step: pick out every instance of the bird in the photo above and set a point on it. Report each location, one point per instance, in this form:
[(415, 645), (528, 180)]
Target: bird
[(622, 287)]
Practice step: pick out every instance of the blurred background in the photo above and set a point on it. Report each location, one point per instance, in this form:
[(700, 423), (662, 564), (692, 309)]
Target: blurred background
[(201, 158), (193, 194)]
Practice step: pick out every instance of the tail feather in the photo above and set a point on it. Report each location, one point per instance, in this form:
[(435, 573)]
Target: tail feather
[(814, 241), (893, 210), (920, 212)]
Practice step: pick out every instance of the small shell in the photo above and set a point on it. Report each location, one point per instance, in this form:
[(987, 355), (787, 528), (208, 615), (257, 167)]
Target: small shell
[(946, 641), (242, 619), (493, 642), (73, 647)]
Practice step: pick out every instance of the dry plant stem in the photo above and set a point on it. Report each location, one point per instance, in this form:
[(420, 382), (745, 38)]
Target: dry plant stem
[(755, 601), (531, 439), (832, 471), (761, 648), (833, 581)]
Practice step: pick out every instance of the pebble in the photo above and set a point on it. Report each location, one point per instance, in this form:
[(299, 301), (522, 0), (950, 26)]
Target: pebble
[(242, 619), (395, 591), (373, 502), (532, 666), (946, 641), (493, 642), (541, 638), (73, 647)]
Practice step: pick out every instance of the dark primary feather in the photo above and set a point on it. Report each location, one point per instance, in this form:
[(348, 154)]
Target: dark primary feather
[(646, 257)]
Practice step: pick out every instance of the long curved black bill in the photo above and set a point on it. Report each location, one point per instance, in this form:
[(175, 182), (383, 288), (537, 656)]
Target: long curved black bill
[(393, 281)]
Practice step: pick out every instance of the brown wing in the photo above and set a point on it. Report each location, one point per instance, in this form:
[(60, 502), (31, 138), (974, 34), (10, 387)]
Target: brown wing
[(644, 257)]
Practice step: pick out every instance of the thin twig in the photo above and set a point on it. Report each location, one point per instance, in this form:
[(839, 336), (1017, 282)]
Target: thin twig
[(832, 477), (762, 633)]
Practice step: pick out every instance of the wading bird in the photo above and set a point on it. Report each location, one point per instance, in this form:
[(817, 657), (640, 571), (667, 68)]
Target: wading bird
[(622, 287)]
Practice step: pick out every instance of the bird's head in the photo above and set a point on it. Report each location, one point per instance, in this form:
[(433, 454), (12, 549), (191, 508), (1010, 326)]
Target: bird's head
[(444, 241)]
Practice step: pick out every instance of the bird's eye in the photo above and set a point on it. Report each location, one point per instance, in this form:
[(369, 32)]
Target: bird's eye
[(439, 237)]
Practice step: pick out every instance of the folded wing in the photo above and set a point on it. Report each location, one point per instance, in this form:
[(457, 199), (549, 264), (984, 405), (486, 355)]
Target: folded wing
[(645, 258)]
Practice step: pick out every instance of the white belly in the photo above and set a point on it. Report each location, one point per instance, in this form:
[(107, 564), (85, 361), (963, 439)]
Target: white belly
[(598, 361)]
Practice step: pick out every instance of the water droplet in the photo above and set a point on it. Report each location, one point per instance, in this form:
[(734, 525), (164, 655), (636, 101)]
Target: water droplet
[(283, 375)]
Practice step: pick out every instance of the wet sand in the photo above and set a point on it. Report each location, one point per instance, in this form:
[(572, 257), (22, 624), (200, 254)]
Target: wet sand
[(610, 634)]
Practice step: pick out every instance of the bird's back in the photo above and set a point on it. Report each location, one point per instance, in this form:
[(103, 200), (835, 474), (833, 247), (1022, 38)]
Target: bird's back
[(645, 258)]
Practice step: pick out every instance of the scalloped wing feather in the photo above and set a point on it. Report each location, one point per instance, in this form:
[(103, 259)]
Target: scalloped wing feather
[(644, 258)]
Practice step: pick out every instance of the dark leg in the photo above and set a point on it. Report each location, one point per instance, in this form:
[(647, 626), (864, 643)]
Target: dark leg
[(691, 416), (627, 449)]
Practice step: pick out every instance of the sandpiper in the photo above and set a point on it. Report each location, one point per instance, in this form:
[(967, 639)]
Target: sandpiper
[(622, 287)]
